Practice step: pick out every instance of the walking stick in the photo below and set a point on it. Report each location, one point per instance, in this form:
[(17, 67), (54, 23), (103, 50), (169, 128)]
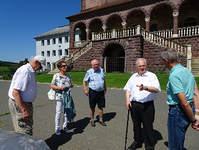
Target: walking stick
[(126, 129)]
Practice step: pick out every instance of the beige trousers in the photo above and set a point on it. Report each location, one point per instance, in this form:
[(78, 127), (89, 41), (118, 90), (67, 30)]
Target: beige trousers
[(21, 125)]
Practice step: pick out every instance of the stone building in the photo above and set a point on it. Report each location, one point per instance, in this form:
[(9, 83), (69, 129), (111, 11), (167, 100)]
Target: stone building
[(117, 32)]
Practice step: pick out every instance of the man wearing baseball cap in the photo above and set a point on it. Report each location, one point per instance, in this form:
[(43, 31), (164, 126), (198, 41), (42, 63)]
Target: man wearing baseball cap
[(22, 92)]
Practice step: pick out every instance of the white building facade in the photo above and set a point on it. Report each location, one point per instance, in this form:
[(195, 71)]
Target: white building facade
[(54, 44)]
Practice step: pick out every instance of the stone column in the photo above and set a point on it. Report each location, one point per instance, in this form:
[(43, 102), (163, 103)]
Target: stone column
[(147, 21), (189, 57), (104, 31), (175, 24), (124, 29), (87, 35)]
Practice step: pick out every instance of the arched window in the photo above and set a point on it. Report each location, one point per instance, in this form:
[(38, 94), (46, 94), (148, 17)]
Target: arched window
[(191, 21)]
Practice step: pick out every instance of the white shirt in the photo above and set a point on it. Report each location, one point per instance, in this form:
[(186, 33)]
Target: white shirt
[(147, 79), (24, 80)]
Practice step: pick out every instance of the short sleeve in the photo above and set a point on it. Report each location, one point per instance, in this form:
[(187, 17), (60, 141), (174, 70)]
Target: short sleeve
[(86, 77), (21, 81), (176, 84), (54, 79)]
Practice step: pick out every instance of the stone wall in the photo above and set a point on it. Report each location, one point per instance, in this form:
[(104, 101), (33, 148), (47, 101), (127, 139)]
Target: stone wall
[(134, 47), (193, 41)]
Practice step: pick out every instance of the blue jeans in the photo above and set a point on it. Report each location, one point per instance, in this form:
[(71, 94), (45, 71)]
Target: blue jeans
[(177, 124)]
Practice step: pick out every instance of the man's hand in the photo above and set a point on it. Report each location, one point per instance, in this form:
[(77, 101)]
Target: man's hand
[(26, 115), (105, 90), (141, 87), (195, 125), (86, 92), (128, 105)]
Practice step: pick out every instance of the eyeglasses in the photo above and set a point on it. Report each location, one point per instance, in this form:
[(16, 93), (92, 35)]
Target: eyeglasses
[(64, 65)]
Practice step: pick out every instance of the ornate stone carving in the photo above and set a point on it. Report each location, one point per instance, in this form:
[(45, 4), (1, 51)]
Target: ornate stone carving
[(123, 23), (175, 14), (147, 19)]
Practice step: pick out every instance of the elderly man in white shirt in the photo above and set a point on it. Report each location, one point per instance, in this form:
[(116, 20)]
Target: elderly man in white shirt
[(141, 90), (22, 92)]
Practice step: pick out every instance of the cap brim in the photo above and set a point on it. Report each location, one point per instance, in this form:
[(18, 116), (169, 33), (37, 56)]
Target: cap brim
[(43, 67)]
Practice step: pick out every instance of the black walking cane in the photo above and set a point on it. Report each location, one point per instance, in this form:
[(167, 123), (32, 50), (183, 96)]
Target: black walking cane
[(127, 124)]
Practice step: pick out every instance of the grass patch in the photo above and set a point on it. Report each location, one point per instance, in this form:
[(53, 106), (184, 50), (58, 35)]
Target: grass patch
[(117, 80), (4, 69)]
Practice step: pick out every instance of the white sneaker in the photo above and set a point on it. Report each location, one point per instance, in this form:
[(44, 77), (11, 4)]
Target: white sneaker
[(66, 130), (58, 132)]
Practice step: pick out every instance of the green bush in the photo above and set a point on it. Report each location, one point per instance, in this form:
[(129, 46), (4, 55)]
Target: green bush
[(7, 77), (78, 70)]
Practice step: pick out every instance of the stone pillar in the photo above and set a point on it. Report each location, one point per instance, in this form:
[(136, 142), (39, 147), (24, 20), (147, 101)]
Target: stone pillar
[(87, 35), (147, 21), (189, 56), (175, 24), (138, 30), (104, 31), (124, 29), (105, 64)]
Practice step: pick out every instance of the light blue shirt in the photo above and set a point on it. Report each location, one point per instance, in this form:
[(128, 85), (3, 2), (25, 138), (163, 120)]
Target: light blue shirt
[(181, 80), (95, 79)]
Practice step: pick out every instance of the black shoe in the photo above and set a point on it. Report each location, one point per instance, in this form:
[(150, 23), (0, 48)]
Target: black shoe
[(102, 123), (92, 123), (134, 146)]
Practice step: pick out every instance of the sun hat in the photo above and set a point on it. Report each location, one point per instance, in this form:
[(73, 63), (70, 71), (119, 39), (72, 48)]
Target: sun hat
[(42, 60)]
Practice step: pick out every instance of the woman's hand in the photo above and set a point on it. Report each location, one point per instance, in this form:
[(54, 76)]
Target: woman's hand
[(71, 85), (63, 88)]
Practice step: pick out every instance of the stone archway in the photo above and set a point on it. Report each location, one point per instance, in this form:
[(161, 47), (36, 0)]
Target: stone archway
[(114, 58)]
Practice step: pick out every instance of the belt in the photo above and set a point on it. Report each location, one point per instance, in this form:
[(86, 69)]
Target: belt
[(24, 102), (96, 91), (178, 105)]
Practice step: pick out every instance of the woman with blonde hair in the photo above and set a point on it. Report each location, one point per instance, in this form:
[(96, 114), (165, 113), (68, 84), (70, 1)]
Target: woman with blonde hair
[(62, 84)]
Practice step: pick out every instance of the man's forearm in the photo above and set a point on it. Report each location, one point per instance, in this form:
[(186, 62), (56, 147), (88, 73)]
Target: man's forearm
[(84, 85), (185, 105)]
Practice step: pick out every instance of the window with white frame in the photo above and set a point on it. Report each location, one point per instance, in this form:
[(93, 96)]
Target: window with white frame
[(48, 53), (54, 52), (60, 52), (48, 41), (42, 43), (42, 53), (66, 39), (54, 40), (60, 40), (48, 65), (66, 52)]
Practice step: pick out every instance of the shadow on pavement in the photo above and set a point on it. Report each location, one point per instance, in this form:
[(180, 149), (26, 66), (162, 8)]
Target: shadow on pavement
[(167, 144), (55, 141), (107, 116), (78, 127)]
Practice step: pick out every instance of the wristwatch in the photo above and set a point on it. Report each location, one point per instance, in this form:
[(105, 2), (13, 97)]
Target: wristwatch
[(194, 121), (146, 87)]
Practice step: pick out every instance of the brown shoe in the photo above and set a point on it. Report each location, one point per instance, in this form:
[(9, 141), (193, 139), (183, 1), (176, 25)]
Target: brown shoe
[(92, 123), (102, 123)]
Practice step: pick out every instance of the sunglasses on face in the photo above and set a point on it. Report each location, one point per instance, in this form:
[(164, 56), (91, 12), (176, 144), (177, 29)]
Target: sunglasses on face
[(64, 65)]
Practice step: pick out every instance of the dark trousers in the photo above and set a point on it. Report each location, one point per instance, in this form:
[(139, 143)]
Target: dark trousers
[(143, 113)]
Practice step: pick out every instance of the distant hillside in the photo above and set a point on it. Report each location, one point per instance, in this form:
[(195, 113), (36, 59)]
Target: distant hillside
[(7, 63)]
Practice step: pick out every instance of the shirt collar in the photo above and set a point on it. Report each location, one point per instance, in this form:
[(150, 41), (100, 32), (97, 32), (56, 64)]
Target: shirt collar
[(31, 69), (145, 74), (96, 71), (175, 67)]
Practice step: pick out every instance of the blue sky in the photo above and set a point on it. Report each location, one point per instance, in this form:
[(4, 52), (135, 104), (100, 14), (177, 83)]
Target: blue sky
[(22, 20)]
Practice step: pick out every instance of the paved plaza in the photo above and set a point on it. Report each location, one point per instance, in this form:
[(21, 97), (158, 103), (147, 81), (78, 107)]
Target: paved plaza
[(85, 137)]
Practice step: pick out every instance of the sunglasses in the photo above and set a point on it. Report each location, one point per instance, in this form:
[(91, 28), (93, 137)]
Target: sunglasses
[(64, 65)]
